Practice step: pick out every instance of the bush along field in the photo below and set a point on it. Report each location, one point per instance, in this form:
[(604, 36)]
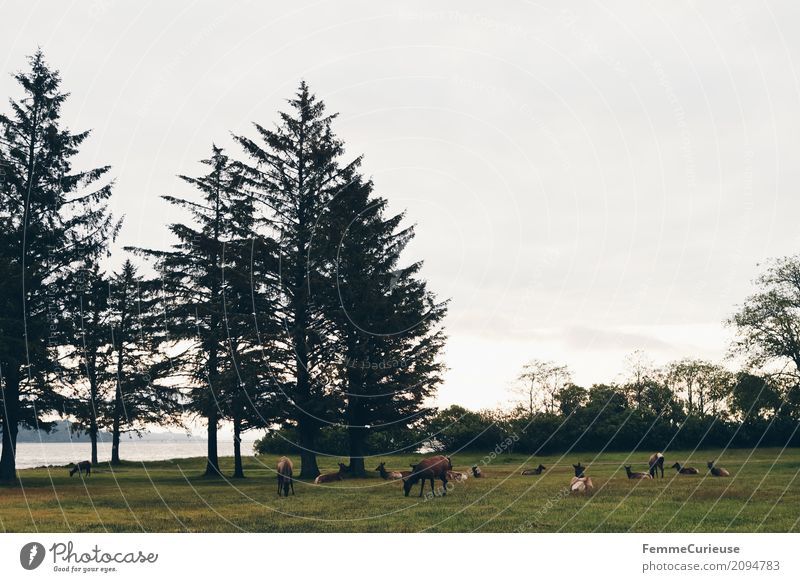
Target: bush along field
[(760, 495)]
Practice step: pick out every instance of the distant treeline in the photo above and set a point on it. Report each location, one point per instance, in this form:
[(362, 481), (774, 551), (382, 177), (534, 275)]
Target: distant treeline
[(755, 411)]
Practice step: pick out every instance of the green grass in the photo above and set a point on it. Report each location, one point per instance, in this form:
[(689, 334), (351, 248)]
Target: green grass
[(170, 496)]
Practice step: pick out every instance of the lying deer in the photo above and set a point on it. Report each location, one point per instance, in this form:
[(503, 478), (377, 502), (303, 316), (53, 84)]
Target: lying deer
[(717, 471), (632, 475), (537, 471), (81, 468), (476, 472), (456, 476), (685, 470), (389, 474), (580, 483), (331, 477)]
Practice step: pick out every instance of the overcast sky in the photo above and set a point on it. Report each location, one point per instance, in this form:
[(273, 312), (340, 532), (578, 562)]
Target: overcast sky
[(584, 181)]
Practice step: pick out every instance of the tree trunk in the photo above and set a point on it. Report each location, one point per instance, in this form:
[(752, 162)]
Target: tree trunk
[(116, 427), (358, 438), (238, 470), (212, 466), (10, 414), (93, 422), (308, 456)]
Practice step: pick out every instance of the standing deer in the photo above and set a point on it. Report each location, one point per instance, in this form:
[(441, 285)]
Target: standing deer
[(656, 462), (285, 469), (81, 468), (431, 468), (717, 471), (685, 470)]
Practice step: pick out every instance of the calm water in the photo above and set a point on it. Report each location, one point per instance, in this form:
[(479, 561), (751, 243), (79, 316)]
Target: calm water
[(43, 454)]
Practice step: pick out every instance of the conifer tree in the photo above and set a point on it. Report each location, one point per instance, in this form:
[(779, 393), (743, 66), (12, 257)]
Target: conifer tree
[(194, 285), (135, 381), (387, 324), (53, 217), (296, 169)]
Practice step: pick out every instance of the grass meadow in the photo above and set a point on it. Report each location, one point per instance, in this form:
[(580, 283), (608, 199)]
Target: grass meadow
[(762, 495)]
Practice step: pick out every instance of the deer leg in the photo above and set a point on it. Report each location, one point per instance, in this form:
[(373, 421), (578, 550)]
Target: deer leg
[(444, 485), (421, 489), (291, 484)]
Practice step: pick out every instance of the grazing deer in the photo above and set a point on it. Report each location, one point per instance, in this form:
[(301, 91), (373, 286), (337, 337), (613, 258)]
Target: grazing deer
[(717, 471), (389, 474), (456, 476), (580, 483), (476, 472), (284, 470), (685, 470), (331, 477), (431, 468), (537, 471), (81, 468), (656, 462), (632, 475)]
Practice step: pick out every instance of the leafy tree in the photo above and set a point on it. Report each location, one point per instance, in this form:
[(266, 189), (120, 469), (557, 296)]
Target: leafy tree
[(52, 219), (539, 384), (571, 398), (767, 325), (754, 396), (640, 371)]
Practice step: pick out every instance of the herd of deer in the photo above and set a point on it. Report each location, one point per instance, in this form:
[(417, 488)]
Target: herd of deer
[(441, 467)]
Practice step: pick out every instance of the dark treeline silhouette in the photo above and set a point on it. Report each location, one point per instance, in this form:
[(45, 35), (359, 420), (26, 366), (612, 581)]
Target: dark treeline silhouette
[(282, 302), (756, 411)]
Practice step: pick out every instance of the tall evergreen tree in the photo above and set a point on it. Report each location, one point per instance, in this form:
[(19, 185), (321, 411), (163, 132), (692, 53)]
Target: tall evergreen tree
[(135, 375), (387, 324), (193, 275), (296, 171), (52, 218), (87, 351)]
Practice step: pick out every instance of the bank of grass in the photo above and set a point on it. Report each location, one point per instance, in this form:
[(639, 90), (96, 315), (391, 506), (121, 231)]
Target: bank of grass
[(171, 496)]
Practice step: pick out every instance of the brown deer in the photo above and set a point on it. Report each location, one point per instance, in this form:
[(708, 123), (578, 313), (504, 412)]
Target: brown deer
[(285, 469), (656, 462), (537, 471), (685, 470), (389, 474), (476, 472), (431, 468), (717, 471), (331, 477), (81, 468), (580, 483), (632, 475)]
